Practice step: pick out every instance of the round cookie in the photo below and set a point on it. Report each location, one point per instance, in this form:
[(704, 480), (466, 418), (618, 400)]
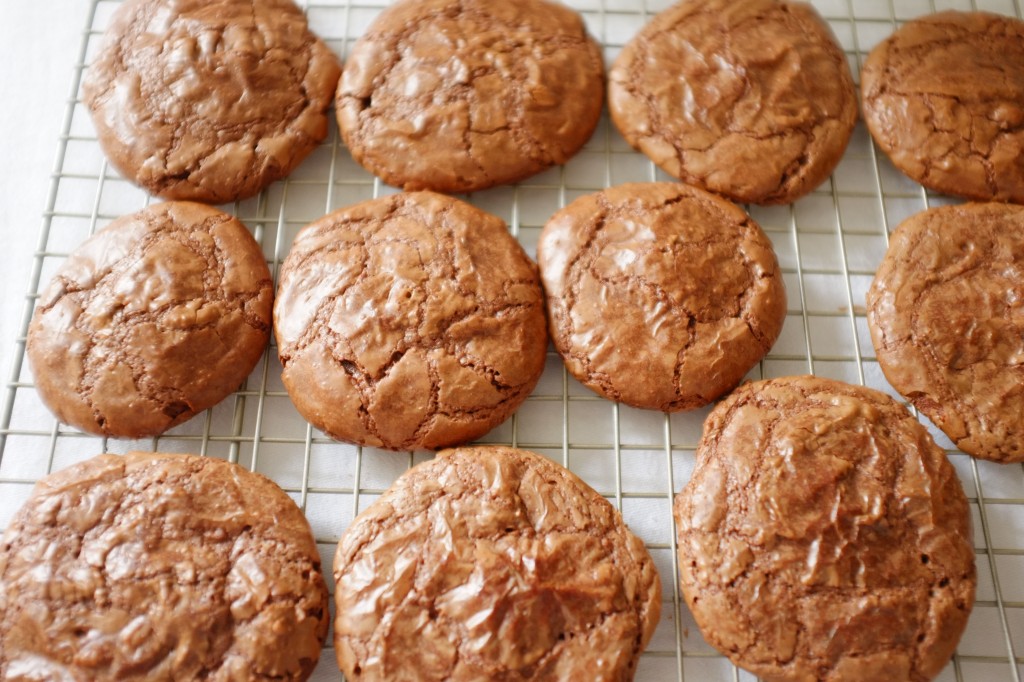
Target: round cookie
[(209, 100), (944, 99), (946, 314), (492, 563), (153, 319), (159, 567), (824, 536), (409, 321), (660, 295), (460, 95), (750, 99)]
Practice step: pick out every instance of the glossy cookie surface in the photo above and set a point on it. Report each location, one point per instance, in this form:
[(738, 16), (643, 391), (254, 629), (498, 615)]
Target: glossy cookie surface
[(460, 95), (750, 99), (159, 567), (410, 321), (944, 98), (660, 295), (155, 318), (209, 100), (492, 563), (946, 314), (824, 536)]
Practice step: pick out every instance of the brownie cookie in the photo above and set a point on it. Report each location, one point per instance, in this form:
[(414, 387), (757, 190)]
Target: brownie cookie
[(944, 98), (660, 295), (492, 563), (159, 567), (460, 95), (946, 314), (410, 321), (210, 100), (824, 536), (153, 319), (751, 99)]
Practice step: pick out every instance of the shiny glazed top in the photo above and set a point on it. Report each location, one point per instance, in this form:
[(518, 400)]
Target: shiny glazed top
[(459, 95), (159, 567), (946, 313), (153, 319), (660, 295), (492, 563), (944, 98), (409, 321), (751, 99), (824, 536), (209, 100)]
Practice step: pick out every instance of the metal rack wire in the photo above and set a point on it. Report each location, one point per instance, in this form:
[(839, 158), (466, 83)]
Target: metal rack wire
[(829, 244)]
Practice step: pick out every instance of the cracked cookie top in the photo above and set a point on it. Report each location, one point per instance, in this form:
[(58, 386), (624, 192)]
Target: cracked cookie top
[(824, 536), (460, 95), (492, 563), (944, 98), (209, 100), (159, 567), (750, 99), (660, 295), (946, 313), (153, 319), (409, 321)]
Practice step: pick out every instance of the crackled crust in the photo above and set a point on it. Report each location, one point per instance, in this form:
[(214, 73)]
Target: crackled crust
[(460, 95), (660, 295), (824, 536), (159, 567), (209, 100), (153, 319), (409, 321), (944, 98), (946, 318), (492, 563), (751, 99)]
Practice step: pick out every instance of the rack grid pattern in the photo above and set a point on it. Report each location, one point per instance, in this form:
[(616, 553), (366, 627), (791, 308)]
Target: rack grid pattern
[(828, 243)]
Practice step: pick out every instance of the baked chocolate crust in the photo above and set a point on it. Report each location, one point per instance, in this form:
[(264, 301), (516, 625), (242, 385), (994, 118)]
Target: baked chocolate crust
[(460, 95), (824, 536), (209, 100), (945, 316), (159, 567), (750, 99), (492, 563), (409, 321), (660, 295), (152, 320), (944, 99)]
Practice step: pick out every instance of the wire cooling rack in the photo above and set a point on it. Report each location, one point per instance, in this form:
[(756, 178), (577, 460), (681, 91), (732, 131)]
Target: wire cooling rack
[(828, 243)]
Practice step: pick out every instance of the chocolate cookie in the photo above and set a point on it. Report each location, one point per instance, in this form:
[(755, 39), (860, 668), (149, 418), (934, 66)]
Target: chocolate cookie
[(944, 98), (153, 319), (410, 321), (492, 563), (946, 313), (751, 99), (660, 295), (210, 100), (459, 95), (824, 536), (159, 567)]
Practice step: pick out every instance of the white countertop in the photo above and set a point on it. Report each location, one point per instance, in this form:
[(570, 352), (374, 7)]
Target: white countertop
[(39, 43)]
